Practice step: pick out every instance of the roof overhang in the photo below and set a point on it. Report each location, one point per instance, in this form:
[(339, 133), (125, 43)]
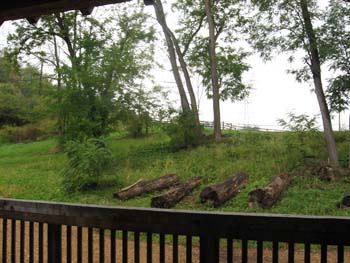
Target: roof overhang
[(33, 9)]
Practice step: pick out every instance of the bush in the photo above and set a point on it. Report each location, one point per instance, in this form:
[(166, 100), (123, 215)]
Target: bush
[(20, 134), (184, 131), (27, 133), (139, 125), (88, 160)]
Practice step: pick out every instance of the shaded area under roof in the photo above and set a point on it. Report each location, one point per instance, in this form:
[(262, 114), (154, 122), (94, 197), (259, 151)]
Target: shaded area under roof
[(33, 9)]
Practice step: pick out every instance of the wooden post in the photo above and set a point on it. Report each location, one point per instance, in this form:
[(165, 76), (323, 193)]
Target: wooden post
[(209, 249), (54, 243)]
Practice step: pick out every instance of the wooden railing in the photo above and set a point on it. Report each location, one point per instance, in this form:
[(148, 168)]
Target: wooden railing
[(33, 231)]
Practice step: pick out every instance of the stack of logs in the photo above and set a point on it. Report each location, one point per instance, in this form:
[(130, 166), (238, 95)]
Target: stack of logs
[(218, 194)]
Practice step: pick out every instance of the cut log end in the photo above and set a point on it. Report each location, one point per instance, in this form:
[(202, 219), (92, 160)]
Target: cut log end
[(266, 197)]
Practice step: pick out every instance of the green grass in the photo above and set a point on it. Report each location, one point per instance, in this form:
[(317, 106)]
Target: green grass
[(32, 171)]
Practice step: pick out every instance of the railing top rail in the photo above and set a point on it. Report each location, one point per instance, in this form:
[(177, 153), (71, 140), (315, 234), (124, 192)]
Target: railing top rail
[(269, 227)]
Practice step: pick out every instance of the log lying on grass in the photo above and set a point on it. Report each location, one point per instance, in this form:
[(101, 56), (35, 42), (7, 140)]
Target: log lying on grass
[(141, 187), (224, 191), (329, 173), (172, 197), (266, 197)]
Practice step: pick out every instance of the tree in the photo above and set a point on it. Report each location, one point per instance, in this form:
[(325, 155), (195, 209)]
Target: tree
[(94, 61), (224, 56), (213, 70), (288, 26), (177, 55), (338, 95), (24, 96), (335, 50)]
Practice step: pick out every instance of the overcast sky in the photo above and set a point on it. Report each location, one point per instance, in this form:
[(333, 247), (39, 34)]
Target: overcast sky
[(274, 92)]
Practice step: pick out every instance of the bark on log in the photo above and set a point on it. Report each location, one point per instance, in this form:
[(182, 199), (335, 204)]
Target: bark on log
[(175, 195), (266, 197), (142, 187), (224, 191)]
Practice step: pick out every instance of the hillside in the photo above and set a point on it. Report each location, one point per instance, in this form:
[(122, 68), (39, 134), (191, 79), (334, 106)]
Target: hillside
[(33, 170)]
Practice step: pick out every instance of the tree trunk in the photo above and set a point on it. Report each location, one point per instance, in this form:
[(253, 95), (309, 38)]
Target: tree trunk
[(349, 152), (183, 65), (266, 197), (60, 121), (214, 72), (158, 7), (142, 187), (315, 67), (171, 198), (224, 191)]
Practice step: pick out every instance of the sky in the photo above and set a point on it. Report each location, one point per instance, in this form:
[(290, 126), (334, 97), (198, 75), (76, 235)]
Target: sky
[(274, 92)]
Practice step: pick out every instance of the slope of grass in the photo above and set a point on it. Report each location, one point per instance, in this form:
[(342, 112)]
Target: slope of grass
[(32, 171)]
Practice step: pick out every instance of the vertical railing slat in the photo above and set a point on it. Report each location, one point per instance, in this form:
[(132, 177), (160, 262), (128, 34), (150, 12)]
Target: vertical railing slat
[(259, 251), (307, 257), (175, 248), (31, 242), (137, 247), (102, 245), (161, 248), (54, 243), (188, 249), (229, 250), (80, 244), (69, 243), (340, 253), (323, 253), (244, 251), (4, 240), (125, 246), (41, 242), (22, 239), (275, 252), (149, 247), (209, 249), (113, 243), (291, 252), (13, 240)]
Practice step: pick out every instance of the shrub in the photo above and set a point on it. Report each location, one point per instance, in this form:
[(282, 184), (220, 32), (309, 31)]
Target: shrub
[(184, 131), (27, 133), (88, 160), (20, 134)]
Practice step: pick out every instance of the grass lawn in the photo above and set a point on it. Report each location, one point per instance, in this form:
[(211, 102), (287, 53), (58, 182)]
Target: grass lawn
[(32, 171)]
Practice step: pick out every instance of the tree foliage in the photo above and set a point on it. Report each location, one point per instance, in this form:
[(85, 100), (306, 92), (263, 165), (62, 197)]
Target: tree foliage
[(94, 61), (230, 55), (335, 49), (24, 97)]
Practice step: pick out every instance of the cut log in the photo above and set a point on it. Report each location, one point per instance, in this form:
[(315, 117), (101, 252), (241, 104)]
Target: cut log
[(329, 173), (142, 187), (224, 191), (175, 195), (266, 197), (345, 202)]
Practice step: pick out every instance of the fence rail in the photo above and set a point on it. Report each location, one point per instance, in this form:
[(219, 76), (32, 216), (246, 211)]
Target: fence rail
[(34, 231), (231, 126)]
